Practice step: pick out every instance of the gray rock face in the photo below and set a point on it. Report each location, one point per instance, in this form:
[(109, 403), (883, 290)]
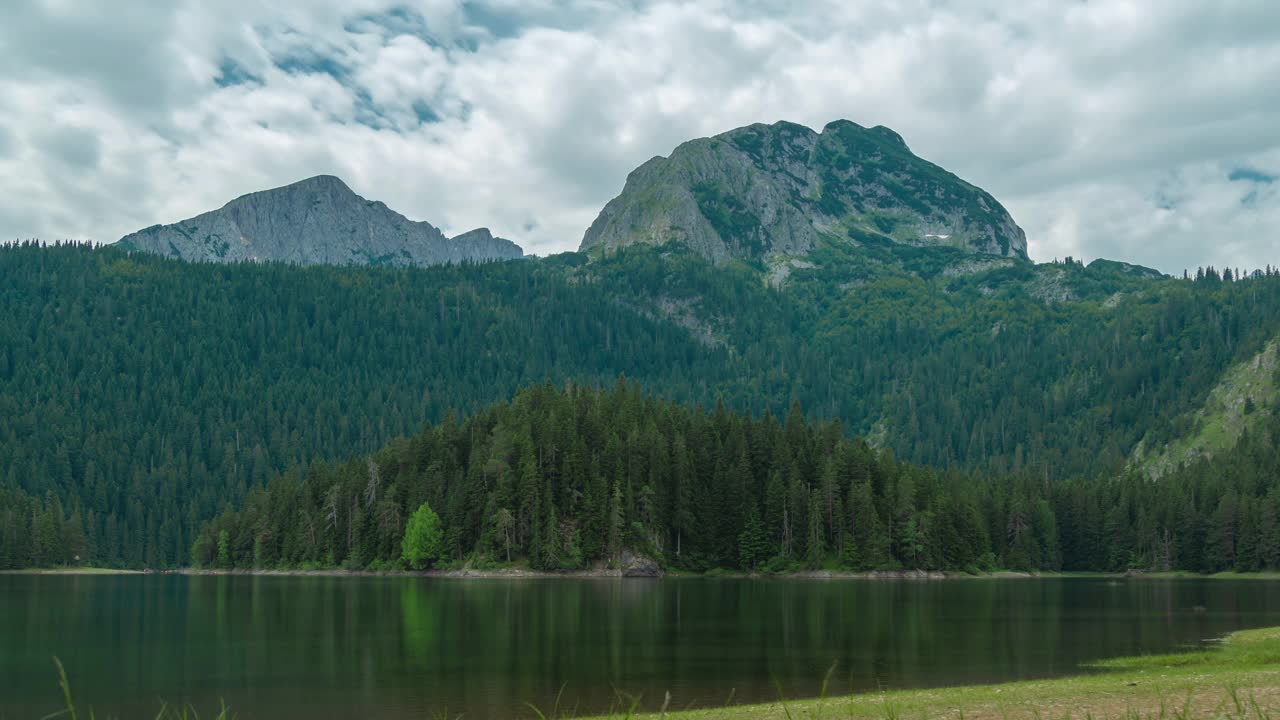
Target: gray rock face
[(318, 221), (639, 566), (769, 190)]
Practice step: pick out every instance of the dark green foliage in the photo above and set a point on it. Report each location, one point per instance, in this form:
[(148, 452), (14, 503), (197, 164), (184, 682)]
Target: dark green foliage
[(148, 394), (885, 223), (909, 181), (870, 239), (845, 505), (145, 396), (1212, 515), (572, 478), (40, 532), (831, 200), (731, 219), (751, 143)]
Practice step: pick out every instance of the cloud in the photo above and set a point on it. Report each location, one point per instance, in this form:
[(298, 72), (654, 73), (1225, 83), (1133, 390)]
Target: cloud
[(1193, 216), (1244, 174), (8, 143), (1124, 129), (74, 149)]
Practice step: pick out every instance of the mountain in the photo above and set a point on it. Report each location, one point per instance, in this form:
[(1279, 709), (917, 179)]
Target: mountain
[(317, 221), (765, 191), (196, 383), (207, 380)]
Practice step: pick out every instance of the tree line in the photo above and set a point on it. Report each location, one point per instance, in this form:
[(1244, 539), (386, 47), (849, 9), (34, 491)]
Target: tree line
[(39, 532)]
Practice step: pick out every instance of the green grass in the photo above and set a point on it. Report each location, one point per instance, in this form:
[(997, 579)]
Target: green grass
[(165, 712), (1224, 575), (72, 570)]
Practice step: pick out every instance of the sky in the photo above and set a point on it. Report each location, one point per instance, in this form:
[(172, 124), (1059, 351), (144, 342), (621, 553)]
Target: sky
[(1139, 131)]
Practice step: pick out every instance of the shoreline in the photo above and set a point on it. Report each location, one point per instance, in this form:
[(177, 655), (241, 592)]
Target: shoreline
[(74, 571), (1237, 677), (517, 573)]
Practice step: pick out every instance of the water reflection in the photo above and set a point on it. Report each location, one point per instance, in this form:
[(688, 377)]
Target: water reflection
[(399, 647)]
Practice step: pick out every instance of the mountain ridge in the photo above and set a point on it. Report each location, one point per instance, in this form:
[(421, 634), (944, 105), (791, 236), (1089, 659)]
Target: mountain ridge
[(318, 220)]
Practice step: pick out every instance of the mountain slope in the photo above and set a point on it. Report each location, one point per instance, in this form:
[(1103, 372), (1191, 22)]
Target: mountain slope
[(196, 382), (315, 221), (781, 189), (1241, 397)]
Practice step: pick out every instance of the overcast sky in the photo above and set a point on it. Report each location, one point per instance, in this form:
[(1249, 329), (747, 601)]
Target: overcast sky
[(1140, 131)]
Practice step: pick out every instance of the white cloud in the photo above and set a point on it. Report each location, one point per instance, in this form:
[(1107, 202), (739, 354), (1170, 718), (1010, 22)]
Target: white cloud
[(1108, 128)]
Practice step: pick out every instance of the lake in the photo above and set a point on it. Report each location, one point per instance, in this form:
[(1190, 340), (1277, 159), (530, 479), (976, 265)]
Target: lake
[(396, 647)]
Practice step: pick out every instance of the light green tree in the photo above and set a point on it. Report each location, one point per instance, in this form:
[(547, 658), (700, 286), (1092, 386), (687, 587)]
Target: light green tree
[(224, 550), (423, 539)]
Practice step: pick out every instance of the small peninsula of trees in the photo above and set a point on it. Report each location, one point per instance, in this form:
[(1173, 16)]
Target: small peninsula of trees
[(569, 479)]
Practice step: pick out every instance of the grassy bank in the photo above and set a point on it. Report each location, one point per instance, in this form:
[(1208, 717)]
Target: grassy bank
[(72, 571), (1226, 575), (1238, 679)]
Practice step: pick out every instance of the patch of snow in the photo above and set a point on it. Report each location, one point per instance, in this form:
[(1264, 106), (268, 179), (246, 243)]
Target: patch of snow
[(936, 236)]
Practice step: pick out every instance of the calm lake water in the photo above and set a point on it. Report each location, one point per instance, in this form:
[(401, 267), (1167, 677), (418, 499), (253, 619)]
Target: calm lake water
[(327, 647)]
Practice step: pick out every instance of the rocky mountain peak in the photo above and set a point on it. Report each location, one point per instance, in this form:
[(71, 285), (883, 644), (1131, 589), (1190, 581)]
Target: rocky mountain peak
[(780, 190), (319, 220)]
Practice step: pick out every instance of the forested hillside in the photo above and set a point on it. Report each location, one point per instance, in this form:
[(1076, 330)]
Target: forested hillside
[(145, 395), (1219, 513), (568, 479), (1056, 368), (139, 396)]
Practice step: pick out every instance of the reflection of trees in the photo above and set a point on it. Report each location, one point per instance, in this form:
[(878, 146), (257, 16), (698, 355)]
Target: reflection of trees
[(412, 645), (420, 617)]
